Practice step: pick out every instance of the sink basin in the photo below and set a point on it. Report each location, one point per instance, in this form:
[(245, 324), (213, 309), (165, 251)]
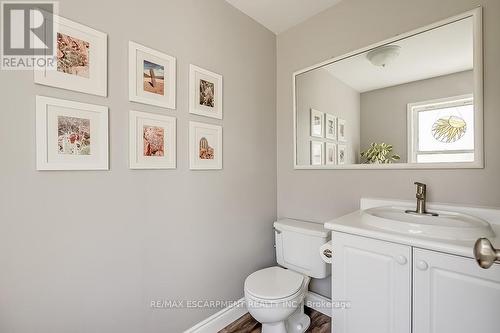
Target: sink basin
[(448, 225)]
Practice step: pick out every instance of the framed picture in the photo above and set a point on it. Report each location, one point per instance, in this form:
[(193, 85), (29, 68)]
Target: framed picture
[(341, 154), (81, 59), (317, 123), (152, 141), (152, 76), (330, 126), (205, 146), (341, 130), (205, 92), (316, 152), (331, 153), (71, 135)]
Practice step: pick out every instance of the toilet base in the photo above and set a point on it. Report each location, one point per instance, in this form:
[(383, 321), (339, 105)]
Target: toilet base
[(298, 322), (278, 327)]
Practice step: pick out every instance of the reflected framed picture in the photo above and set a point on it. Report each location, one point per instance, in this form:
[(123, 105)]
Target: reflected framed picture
[(152, 141), (71, 135), (317, 123), (316, 152), (205, 146), (205, 92), (152, 76), (330, 153), (330, 126), (341, 130), (81, 59), (341, 154)]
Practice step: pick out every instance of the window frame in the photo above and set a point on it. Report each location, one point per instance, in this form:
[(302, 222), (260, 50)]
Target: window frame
[(413, 126)]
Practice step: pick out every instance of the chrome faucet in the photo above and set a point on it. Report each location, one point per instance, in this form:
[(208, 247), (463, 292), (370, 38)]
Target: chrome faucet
[(421, 199)]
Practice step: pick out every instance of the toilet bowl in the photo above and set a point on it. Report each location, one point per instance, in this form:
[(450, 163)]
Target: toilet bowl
[(275, 295), (275, 298)]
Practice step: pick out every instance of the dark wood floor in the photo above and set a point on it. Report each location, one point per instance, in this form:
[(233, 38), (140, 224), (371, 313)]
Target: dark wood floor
[(246, 324)]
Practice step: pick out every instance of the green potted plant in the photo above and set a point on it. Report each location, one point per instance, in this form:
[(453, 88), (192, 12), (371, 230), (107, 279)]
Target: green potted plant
[(379, 153)]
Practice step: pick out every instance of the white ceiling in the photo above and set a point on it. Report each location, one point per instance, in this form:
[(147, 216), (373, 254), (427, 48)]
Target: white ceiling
[(280, 15), (446, 50)]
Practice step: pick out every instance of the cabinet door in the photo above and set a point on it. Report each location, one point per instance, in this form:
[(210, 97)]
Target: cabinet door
[(375, 278), (452, 294)]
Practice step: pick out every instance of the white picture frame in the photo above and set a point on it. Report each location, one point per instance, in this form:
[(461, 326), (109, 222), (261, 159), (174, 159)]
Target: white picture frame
[(317, 123), (341, 130), (205, 140), (330, 126), (152, 141), (152, 76), (342, 154), (317, 152), (90, 74), (330, 153), (71, 135), (208, 103)]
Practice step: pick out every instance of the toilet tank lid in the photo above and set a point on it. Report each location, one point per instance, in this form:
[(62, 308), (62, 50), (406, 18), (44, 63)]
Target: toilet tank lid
[(308, 228)]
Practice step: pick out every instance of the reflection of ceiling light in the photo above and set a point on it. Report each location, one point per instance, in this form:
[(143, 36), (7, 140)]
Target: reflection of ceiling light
[(383, 55)]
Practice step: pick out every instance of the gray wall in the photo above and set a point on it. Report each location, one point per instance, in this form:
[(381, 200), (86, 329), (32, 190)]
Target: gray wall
[(88, 251), (320, 90), (384, 111), (321, 195)]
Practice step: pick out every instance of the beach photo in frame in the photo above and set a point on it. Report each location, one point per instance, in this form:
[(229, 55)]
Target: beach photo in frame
[(81, 59), (205, 92), (152, 76), (71, 135), (152, 141)]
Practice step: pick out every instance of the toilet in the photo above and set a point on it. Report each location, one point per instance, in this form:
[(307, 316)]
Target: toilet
[(275, 295)]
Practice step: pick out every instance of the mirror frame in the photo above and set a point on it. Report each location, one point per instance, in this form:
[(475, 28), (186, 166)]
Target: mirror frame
[(478, 163)]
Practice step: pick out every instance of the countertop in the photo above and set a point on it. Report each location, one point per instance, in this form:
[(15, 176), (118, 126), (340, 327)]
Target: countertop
[(352, 224)]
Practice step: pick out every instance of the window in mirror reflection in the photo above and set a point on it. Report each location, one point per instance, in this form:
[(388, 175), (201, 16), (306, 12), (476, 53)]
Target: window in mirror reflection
[(441, 130)]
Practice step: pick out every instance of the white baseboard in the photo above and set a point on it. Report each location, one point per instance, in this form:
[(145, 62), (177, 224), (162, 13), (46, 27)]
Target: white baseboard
[(319, 303), (228, 315), (221, 319)]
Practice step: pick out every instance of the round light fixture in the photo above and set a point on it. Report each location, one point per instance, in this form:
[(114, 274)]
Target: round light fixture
[(383, 55)]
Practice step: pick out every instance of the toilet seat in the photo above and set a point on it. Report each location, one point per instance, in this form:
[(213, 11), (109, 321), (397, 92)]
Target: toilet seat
[(274, 283)]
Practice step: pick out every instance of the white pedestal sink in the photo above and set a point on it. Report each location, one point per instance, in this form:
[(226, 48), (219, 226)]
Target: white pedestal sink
[(448, 225)]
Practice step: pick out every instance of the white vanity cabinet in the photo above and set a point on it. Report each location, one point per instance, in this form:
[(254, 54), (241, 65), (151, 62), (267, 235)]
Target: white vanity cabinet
[(375, 278), (452, 294), (395, 288)]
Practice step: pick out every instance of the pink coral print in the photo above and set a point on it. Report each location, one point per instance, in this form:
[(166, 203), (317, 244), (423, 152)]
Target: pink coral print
[(154, 141), (72, 55), (73, 135)]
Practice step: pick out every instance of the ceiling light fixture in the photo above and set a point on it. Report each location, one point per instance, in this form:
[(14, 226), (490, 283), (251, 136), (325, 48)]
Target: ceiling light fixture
[(383, 55)]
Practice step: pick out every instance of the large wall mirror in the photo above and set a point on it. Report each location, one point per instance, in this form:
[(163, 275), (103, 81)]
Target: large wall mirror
[(414, 101)]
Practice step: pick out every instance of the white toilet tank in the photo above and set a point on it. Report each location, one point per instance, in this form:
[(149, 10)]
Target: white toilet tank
[(297, 247)]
